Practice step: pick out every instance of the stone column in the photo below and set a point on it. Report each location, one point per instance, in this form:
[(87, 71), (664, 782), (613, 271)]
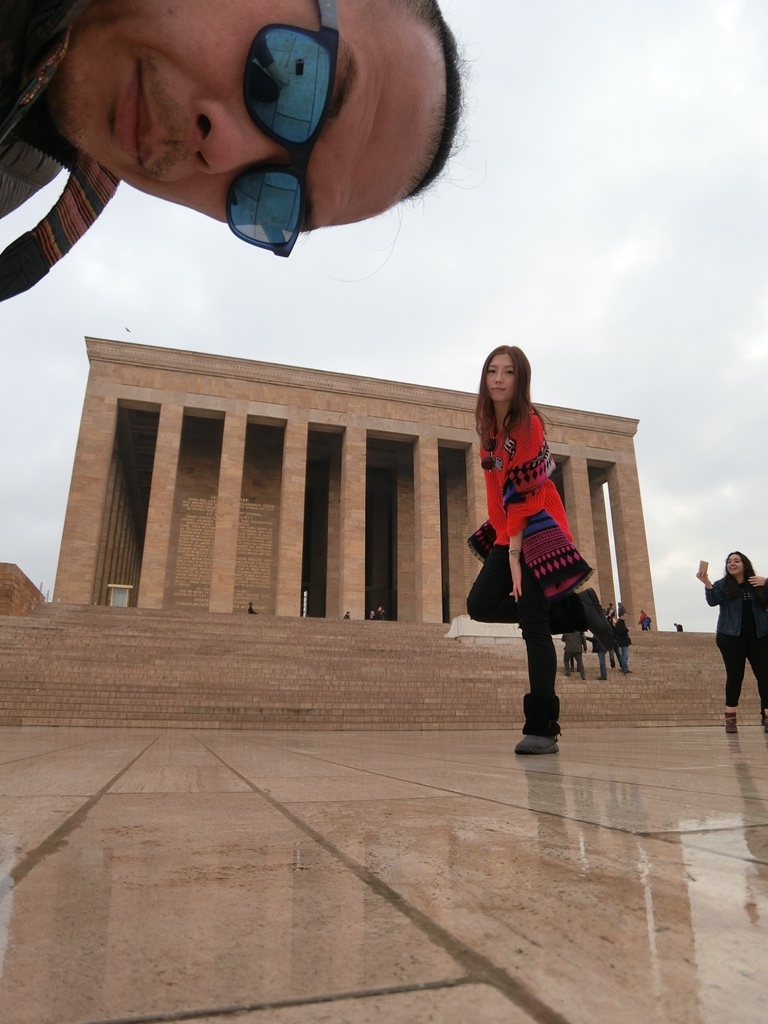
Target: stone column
[(154, 563), (578, 505), (477, 506), (629, 535), (456, 524), (477, 499), (604, 586), (76, 574), (291, 529), (406, 561), (224, 559), (332, 594), (426, 481), (352, 546)]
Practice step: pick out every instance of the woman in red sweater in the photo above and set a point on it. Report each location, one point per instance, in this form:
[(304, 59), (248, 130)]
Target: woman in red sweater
[(531, 567)]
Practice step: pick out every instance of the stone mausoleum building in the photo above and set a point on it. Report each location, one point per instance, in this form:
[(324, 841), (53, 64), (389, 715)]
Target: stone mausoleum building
[(205, 482)]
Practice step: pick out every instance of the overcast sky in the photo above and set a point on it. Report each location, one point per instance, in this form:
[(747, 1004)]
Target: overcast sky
[(608, 212)]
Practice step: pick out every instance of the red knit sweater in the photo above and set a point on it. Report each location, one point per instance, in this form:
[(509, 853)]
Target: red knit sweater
[(514, 451)]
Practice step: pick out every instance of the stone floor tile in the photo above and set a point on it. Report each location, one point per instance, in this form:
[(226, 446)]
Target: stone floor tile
[(298, 877), (478, 1004)]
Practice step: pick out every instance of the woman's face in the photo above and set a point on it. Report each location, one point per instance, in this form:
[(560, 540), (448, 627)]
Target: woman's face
[(734, 566), (500, 378)]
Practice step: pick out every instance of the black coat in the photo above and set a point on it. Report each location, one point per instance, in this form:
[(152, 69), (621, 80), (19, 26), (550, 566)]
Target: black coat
[(622, 633)]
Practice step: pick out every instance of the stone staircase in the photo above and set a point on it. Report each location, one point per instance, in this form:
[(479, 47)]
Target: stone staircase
[(72, 665)]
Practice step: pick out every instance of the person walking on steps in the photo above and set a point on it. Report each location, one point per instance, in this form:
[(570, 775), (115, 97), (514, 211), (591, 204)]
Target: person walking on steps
[(600, 651), (520, 581), (742, 630), (575, 645), (623, 641)]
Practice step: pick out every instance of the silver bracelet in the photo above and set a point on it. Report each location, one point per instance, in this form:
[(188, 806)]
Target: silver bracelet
[(514, 551)]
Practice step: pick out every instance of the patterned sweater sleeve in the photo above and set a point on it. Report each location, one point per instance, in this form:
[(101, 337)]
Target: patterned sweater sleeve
[(529, 468)]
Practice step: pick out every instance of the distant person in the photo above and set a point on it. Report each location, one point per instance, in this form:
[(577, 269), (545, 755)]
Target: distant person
[(742, 630), (678, 627), (526, 525), (644, 622), (251, 609), (575, 645), (346, 615), (600, 651), (372, 615), (380, 613), (623, 642), (613, 649), (610, 611)]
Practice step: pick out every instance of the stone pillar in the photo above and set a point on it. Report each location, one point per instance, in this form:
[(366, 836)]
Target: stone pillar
[(406, 560), (455, 522), (604, 586), (578, 505), (291, 529), (76, 575), (332, 594), (629, 535), (352, 546), (477, 506), (477, 499), (426, 496), (154, 563), (224, 561)]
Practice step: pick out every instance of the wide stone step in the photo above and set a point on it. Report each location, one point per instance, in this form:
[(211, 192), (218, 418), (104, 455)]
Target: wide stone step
[(79, 665)]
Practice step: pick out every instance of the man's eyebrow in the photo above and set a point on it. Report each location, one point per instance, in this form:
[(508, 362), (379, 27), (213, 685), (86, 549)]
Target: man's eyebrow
[(346, 76)]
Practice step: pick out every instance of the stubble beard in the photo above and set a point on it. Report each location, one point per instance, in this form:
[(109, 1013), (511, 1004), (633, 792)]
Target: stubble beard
[(72, 114)]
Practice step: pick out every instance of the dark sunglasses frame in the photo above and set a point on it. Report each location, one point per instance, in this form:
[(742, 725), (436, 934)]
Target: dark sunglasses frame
[(488, 461), (327, 37)]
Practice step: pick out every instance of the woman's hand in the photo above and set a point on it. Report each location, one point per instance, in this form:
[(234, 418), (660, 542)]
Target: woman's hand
[(757, 581), (704, 577), (515, 554), (517, 575)]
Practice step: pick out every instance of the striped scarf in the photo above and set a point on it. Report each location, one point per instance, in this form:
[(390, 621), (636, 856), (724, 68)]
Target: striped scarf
[(88, 190)]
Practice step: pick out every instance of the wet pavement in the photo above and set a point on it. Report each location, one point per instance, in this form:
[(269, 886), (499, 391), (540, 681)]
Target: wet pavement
[(392, 877)]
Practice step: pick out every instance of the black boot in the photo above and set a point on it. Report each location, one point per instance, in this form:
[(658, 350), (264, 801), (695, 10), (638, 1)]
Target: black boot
[(541, 727)]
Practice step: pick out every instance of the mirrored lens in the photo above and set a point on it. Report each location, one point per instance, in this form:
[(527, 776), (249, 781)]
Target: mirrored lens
[(265, 206), (286, 83)]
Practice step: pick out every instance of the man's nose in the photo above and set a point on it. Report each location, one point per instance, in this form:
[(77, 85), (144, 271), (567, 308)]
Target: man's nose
[(227, 140)]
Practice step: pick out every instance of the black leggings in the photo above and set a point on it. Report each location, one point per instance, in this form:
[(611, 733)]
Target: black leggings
[(736, 652), (489, 601)]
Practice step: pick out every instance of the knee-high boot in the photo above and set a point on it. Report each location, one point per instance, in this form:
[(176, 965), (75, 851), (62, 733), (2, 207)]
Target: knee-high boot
[(541, 714)]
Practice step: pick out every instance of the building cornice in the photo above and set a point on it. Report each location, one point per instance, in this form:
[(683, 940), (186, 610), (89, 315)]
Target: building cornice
[(103, 350)]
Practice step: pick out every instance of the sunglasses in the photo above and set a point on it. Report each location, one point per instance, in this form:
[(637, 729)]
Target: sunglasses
[(488, 461), (288, 88)]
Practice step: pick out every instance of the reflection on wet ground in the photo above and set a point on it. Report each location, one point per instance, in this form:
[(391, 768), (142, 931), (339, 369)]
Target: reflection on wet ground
[(382, 877)]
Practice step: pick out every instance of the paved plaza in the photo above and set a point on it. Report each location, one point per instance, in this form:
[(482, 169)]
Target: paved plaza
[(383, 877)]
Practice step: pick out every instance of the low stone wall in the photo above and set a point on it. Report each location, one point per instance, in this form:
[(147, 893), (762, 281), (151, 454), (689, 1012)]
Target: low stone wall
[(484, 634), (18, 594)]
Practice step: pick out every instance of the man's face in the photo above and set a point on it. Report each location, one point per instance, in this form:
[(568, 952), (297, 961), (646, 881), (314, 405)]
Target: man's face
[(153, 90)]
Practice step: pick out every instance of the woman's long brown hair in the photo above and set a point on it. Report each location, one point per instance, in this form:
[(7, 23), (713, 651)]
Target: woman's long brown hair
[(733, 589), (521, 405)]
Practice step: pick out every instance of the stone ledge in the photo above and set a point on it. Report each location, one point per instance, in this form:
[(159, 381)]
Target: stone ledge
[(484, 634)]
